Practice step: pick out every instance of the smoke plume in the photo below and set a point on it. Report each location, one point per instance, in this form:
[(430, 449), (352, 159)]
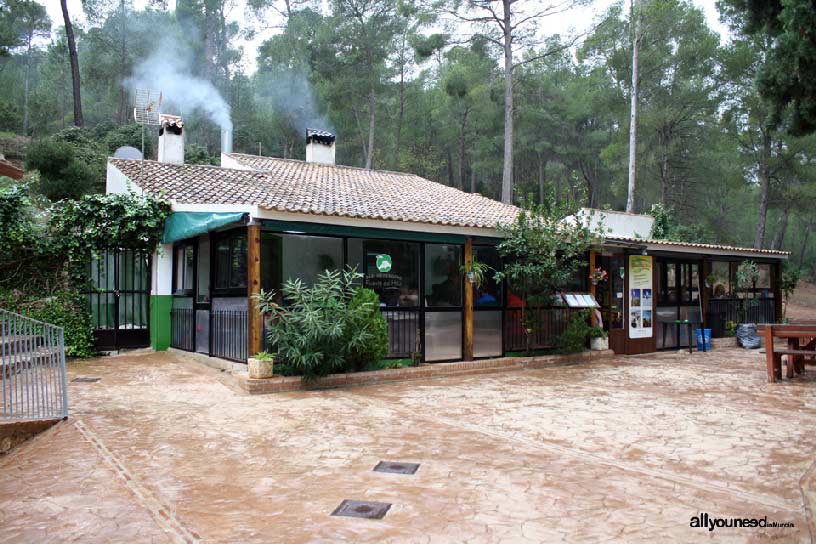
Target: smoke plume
[(168, 69), (290, 94)]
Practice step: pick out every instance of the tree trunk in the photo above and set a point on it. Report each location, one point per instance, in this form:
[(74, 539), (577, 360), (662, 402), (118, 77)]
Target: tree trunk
[(805, 240), (450, 167), (460, 178), (372, 112), (542, 168), (507, 172), (72, 53), (472, 179), (401, 115), (635, 91), (779, 237), (764, 187), (121, 114), (26, 87)]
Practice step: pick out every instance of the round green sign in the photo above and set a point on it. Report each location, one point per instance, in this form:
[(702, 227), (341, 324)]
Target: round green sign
[(384, 263)]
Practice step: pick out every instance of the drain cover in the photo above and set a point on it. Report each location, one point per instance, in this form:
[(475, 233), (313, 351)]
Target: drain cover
[(362, 509), (396, 468), (85, 379)]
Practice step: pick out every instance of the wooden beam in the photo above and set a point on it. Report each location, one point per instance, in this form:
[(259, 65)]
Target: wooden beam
[(776, 286), (592, 287), (468, 340), (253, 288)]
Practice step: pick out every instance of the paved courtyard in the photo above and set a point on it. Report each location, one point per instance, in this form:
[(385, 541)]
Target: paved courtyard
[(164, 449)]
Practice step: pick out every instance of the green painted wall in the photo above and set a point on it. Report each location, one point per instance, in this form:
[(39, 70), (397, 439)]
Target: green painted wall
[(160, 306)]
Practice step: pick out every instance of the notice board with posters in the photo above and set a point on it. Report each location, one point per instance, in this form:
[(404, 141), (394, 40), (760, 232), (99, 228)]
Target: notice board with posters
[(641, 305)]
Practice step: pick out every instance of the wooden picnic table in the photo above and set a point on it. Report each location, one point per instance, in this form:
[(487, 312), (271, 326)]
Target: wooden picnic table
[(801, 345)]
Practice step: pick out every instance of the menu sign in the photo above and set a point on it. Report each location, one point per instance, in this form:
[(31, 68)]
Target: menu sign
[(641, 312)]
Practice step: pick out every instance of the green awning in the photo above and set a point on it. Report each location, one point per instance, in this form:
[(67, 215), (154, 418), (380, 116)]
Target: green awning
[(362, 232), (181, 225)]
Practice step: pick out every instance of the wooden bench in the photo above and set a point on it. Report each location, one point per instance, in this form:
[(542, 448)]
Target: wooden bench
[(795, 353)]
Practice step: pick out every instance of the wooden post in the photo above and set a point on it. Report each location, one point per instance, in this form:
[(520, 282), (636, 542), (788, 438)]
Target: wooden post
[(592, 287), (253, 288), (776, 286), (468, 347), (704, 270)]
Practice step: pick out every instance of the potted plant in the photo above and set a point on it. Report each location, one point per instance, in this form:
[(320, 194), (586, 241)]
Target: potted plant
[(475, 272), (598, 339), (597, 275), (260, 366)]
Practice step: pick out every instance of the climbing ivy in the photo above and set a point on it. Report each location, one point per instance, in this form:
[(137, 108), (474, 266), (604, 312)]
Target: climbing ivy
[(85, 227)]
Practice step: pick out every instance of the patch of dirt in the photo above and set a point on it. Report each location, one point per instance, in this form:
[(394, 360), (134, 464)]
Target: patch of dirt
[(802, 304)]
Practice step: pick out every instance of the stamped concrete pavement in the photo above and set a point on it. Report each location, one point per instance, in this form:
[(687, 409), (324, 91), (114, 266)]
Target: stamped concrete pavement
[(163, 449)]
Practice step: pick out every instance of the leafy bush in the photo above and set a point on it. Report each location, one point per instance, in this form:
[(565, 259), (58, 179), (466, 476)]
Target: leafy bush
[(65, 308), (198, 154), (62, 174), (364, 314), (574, 338), (327, 327)]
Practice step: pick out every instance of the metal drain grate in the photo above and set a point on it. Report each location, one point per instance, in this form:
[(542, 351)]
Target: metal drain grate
[(396, 468), (362, 509), (85, 379)]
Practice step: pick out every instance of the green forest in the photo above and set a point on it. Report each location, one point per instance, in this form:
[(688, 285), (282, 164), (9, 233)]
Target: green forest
[(648, 111)]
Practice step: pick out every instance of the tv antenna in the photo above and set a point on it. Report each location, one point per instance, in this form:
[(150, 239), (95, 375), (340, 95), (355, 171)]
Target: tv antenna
[(146, 109)]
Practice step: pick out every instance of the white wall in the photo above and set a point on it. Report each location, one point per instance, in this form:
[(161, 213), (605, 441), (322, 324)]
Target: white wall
[(118, 183), (162, 281)]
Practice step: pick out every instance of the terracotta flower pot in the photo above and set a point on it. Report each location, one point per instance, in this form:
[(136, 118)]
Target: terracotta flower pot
[(259, 370)]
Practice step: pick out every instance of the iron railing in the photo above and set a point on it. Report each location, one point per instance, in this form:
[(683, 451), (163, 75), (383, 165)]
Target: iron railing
[(182, 323), (545, 325), (403, 331), (32, 369), (228, 335), (738, 310)]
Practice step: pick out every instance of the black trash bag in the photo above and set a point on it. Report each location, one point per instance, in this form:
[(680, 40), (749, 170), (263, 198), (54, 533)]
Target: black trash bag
[(747, 336)]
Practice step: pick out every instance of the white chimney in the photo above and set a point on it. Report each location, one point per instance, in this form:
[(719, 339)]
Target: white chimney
[(319, 146), (171, 139)]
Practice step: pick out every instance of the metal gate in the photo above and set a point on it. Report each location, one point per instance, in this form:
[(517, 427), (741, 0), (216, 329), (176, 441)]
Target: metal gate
[(32, 369), (120, 299)]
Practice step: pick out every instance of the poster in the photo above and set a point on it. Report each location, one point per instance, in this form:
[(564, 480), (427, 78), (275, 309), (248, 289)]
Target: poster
[(641, 312)]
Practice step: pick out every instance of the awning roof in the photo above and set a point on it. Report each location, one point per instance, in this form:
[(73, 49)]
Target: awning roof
[(181, 225)]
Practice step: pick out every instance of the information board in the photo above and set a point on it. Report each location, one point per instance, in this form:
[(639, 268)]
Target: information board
[(641, 310)]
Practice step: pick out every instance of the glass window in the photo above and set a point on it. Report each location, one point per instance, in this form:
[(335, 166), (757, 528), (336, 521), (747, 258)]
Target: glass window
[(489, 293), (443, 279), (764, 276), (231, 260), (306, 257), (184, 267), (688, 283), (396, 279), (720, 274), (203, 269), (668, 283)]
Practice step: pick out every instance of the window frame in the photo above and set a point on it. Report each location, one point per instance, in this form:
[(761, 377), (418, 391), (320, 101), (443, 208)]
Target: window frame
[(217, 238), (183, 245)]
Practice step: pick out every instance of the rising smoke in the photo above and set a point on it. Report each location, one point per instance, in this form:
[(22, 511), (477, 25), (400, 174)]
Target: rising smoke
[(167, 70), (290, 94)]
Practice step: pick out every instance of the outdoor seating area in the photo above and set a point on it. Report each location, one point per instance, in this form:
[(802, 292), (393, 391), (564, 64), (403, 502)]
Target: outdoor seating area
[(800, 340)]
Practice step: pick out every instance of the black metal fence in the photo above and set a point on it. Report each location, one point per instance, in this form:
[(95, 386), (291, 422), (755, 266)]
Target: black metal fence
[(738, 310), (403, 331), (228, 335), (543, 326), (182, 322)]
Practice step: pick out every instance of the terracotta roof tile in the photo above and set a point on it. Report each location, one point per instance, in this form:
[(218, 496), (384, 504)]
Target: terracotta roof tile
[(318, 189), (717, 247)]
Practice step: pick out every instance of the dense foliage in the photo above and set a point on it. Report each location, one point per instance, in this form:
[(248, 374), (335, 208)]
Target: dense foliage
[(542, 251), (44, 253), (332, 326), (577, 333), (720, 121)]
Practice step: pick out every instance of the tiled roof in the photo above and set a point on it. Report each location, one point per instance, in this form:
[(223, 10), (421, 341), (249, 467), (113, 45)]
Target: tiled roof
[(318, 189), (713, 247)]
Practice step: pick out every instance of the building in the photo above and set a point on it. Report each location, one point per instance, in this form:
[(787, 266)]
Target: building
[(256, 221)]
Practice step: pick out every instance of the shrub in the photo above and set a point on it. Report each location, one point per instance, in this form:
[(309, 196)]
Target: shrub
[(574, 337), (327, 327), (65, 308), (364, 314)]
